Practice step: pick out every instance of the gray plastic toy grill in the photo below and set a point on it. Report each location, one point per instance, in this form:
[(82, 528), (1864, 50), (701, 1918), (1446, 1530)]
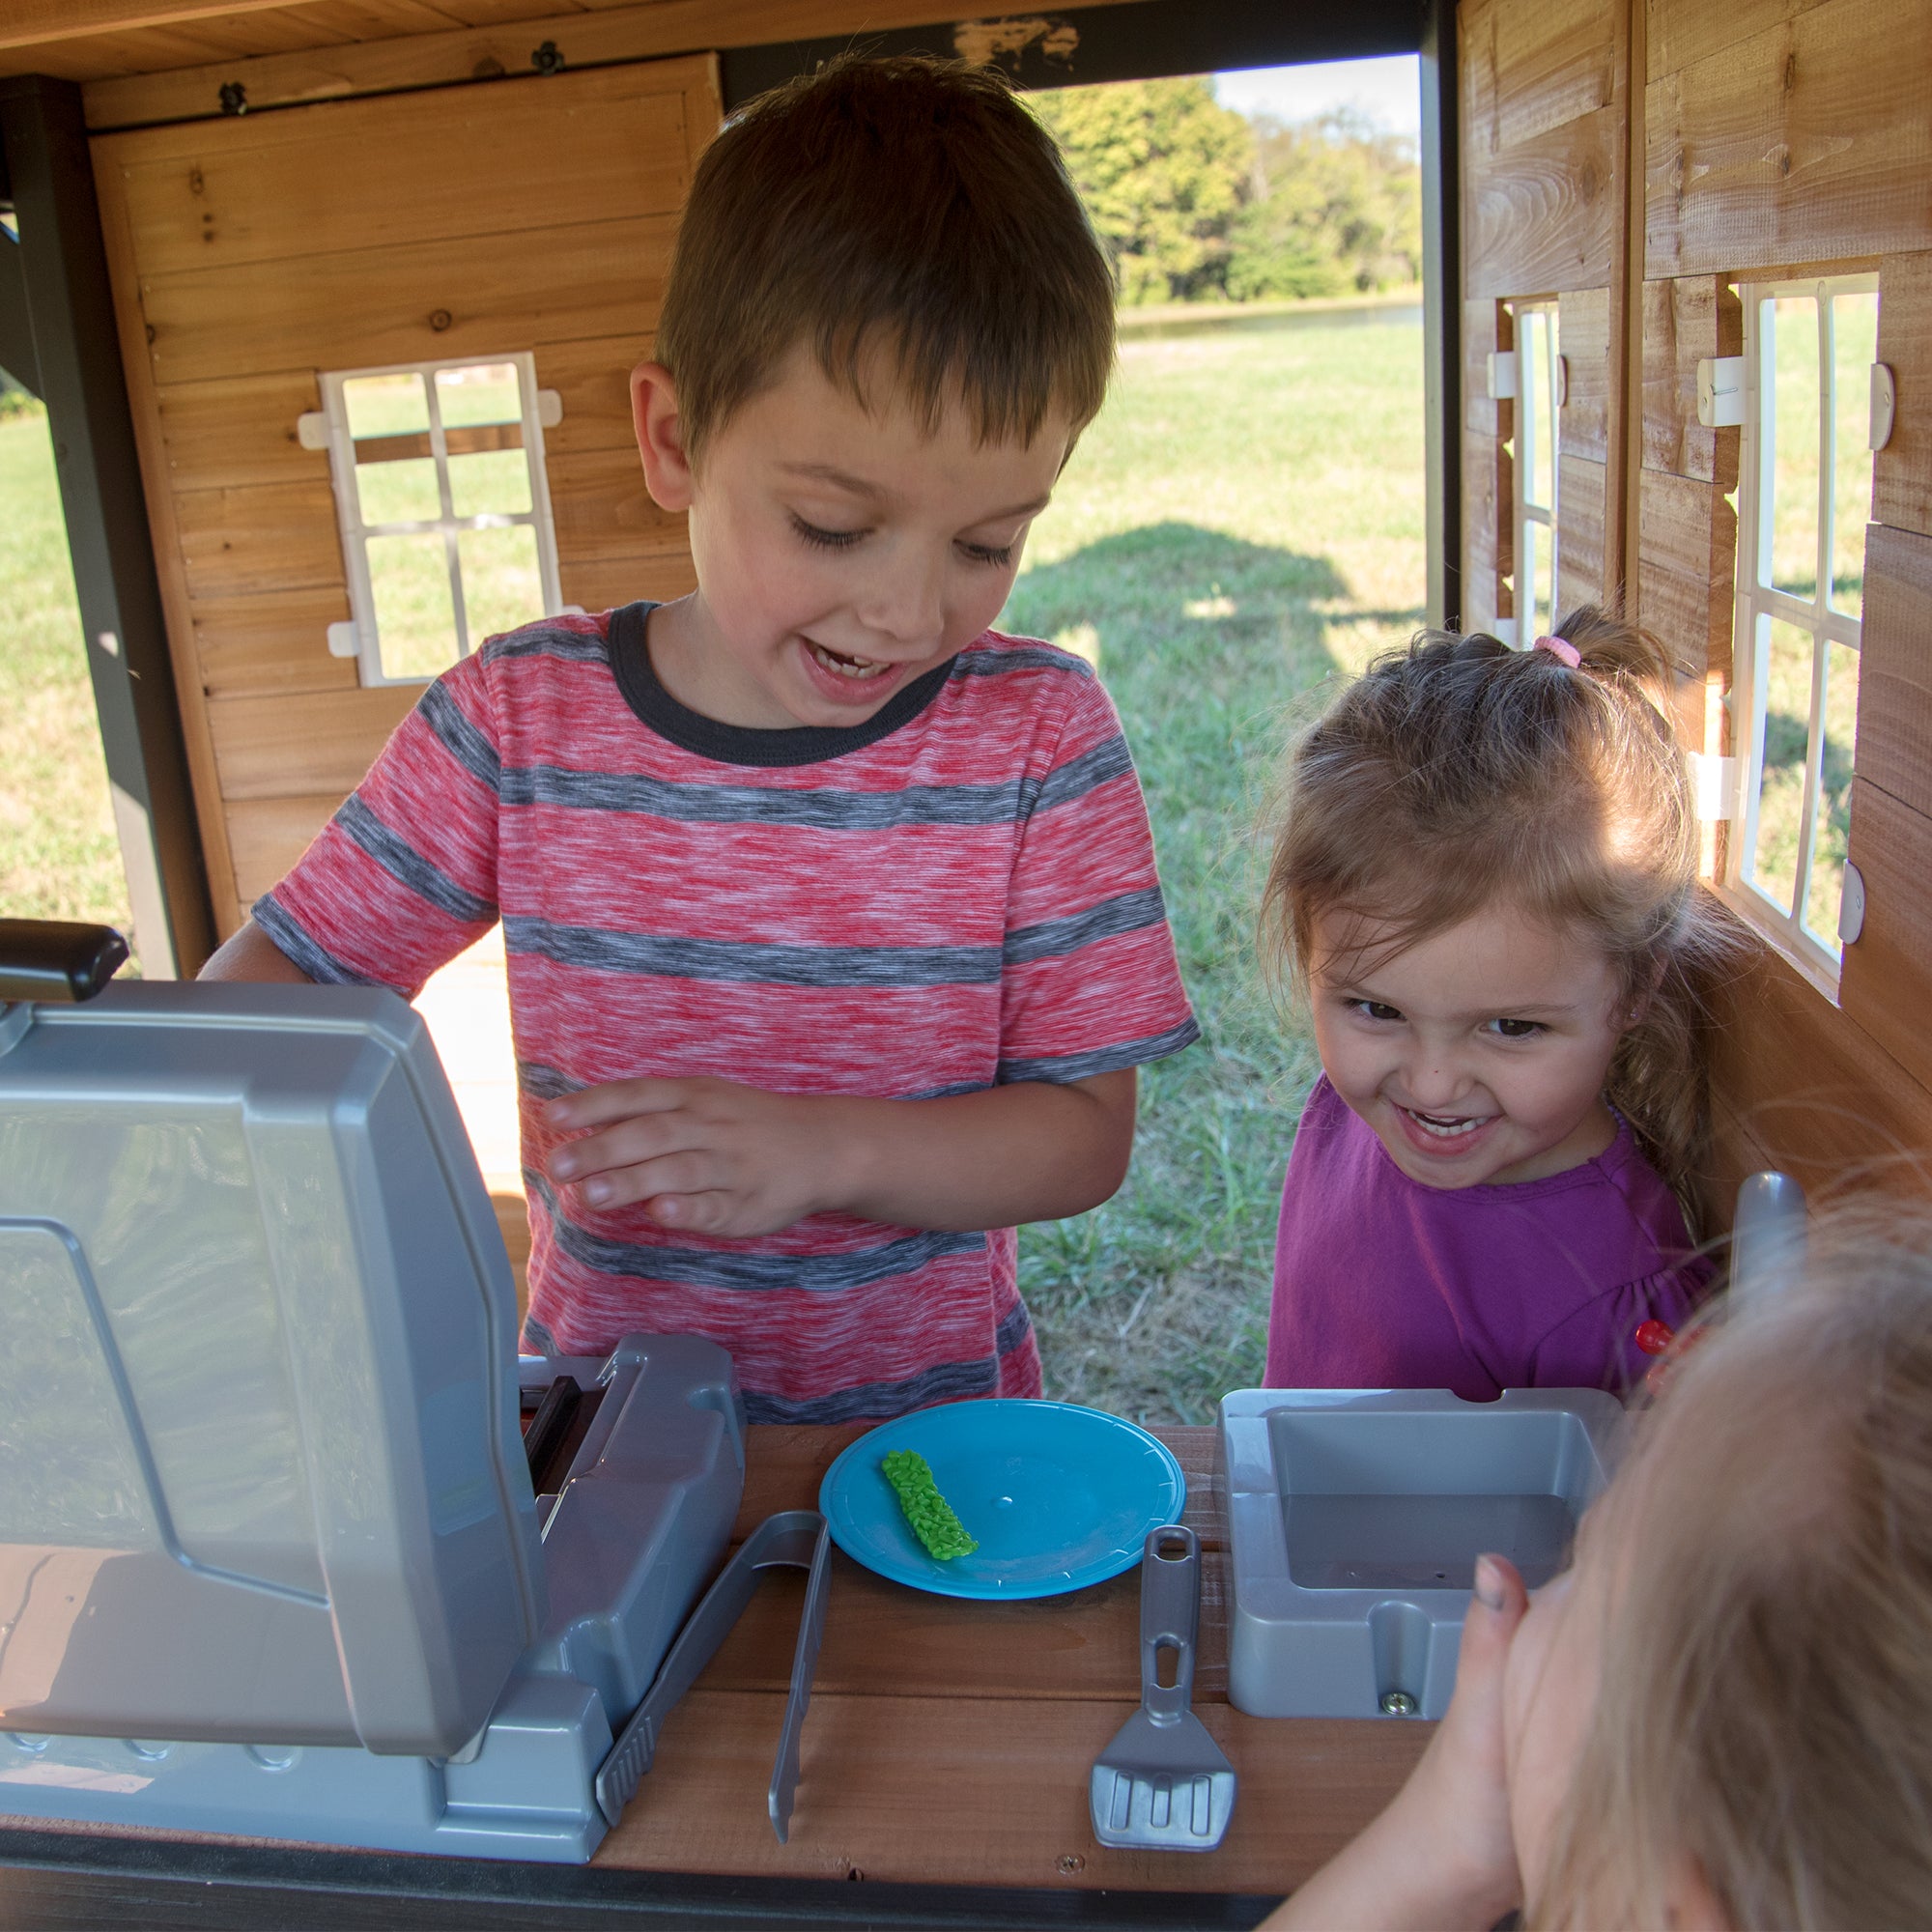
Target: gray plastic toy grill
[(1355, 1518), (271, 1561)]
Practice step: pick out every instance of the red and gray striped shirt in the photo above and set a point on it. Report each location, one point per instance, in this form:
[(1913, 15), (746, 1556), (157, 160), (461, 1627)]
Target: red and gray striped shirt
[(958, 892)]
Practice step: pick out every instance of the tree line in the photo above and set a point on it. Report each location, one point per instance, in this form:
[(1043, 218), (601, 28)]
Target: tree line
[(1197, 203)]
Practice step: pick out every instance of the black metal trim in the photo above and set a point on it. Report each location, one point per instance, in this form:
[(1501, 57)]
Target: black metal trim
[(1138, 40), (1442, 313), (70, 310), (18, 354), (77, 1881)]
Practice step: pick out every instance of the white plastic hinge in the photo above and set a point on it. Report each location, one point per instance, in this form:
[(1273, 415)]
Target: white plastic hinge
[(342, 642), (1502, 375), (1715, 783), (1884, 404), (1721, 391), (1503, 630), (312, 430), (1852, 906), (550, 408), (1562, 381)]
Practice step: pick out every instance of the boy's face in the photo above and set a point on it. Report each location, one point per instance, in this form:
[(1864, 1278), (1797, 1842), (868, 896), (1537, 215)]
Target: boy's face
[(840, 550)]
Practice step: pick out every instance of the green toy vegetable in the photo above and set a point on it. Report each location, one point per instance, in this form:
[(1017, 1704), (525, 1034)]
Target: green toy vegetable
[(928, 1513)]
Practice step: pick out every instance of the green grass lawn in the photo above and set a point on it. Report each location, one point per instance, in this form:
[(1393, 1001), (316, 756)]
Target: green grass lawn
[(1244, 519), (59, 858)]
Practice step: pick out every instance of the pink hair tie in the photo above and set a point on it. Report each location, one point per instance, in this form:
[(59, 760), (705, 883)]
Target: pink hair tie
[(1561, 649)]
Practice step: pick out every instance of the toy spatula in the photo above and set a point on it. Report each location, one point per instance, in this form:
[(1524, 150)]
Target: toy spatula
[(1164, 1784)]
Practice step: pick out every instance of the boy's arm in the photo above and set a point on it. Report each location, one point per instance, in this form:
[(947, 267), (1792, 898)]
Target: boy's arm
[(251, 955), (719, 1159)]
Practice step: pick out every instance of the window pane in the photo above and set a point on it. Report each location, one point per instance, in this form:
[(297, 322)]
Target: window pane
[(415, 622), (385, 405), (490, 479), (1529, 616), (1547, 587), (487, 393), (1791, 449), (501, 587), (1784, 678), (1834, 796), (399, 492), (1854, 350), (1545, 426)]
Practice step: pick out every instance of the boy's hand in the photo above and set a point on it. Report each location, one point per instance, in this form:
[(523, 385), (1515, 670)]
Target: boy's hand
[(705, 1155), (719, 1159)]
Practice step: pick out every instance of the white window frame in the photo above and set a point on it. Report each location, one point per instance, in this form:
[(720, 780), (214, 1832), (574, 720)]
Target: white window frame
[(1757, 603), (355, 533), (1544, 393)]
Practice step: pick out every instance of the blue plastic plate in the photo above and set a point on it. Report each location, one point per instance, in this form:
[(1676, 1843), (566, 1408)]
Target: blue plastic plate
[(1057, 1496)]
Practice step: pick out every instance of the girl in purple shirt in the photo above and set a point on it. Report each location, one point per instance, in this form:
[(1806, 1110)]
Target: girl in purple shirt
[(1485, 882)]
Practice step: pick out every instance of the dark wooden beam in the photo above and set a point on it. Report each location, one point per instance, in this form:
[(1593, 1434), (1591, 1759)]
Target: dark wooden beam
[(69, 312), (16, 332), (1138, 40)]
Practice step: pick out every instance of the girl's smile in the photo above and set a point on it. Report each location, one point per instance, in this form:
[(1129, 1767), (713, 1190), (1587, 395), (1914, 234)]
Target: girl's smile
[(1477, 1054)]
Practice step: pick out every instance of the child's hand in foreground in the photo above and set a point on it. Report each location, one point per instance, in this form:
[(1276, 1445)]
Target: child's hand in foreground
[(707, 1154), (1442, 1855), (720, 1158)]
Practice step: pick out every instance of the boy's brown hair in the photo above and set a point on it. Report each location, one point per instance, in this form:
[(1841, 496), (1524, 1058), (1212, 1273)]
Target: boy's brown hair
[(907, 206)]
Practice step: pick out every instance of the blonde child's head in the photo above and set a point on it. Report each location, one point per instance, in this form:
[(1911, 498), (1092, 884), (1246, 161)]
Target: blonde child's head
[(1760, 1732), (1460, 779)]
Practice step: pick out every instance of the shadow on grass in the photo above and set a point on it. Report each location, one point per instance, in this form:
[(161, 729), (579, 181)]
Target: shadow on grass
[(1155, 1304)]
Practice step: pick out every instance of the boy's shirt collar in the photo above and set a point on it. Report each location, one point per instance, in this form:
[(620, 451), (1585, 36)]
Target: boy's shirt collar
[(744, 744)]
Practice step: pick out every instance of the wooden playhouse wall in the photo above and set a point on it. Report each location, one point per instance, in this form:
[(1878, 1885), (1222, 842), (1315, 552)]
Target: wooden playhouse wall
[(1633, 160), (251, 253), (1629, 160)]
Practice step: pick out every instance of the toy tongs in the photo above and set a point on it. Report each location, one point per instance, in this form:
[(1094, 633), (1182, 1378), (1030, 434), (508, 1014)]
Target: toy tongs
[(797, 1539)]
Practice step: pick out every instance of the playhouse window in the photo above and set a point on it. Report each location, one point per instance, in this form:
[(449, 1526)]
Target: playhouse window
[(1804, 499), (1539, 395), (444, 512)]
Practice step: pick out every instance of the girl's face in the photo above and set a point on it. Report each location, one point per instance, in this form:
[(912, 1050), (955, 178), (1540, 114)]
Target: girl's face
[(1479, 1053)]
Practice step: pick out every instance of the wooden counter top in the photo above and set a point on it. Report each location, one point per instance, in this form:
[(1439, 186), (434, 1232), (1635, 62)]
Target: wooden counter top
[(949, 1741), (944, 1762)]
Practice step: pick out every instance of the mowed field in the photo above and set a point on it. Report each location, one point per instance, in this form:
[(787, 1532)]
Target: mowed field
[(1243, 523)]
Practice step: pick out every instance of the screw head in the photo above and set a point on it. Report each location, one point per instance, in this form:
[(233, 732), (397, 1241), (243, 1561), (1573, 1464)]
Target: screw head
[(1399, 1704), (1070, 1863)]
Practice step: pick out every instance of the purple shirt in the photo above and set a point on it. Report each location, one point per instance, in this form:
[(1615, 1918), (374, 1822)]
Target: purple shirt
[(1381, 1282)]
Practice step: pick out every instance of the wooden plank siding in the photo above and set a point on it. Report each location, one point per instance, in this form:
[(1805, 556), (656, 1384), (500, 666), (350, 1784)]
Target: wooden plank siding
[(1589, 571), (1488, 533), (250, 255), (173, 55), (1894, 732), (1545, 90), (1765, 145), (1902, 471), (1776, 144), (1686, 320), (1805, 139)]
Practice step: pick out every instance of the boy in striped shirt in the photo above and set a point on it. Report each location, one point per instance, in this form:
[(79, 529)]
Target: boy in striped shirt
[(833, 930)]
